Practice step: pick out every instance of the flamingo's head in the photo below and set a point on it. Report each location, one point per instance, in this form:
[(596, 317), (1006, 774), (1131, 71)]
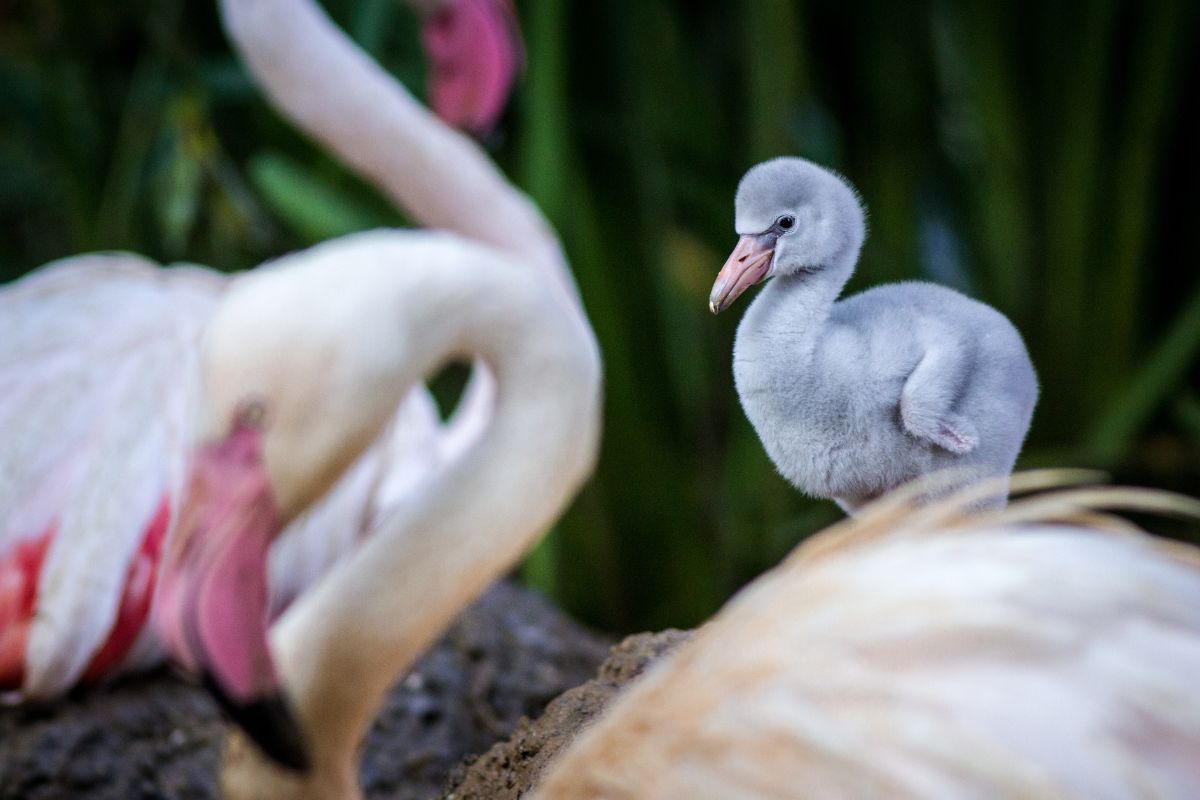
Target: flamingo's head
[(301, 371), (475, 53), (793, 218), (212, 605)]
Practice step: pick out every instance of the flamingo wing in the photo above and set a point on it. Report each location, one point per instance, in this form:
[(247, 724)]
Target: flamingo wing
[(1045, 661), (97, 399), (98, 410)]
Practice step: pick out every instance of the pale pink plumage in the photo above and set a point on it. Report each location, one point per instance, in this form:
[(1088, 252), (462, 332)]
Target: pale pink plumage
[(94, 375), (98, 372), (926, 655), (98, 380)]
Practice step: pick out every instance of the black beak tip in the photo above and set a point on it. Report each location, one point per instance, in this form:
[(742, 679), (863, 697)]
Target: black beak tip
[(269, 724)]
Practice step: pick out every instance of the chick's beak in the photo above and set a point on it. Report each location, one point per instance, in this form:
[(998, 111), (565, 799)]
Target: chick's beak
[(747, 265), (211, 610)]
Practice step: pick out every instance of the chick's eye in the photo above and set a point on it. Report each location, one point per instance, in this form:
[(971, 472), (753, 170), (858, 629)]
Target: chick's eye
[(786, 222)]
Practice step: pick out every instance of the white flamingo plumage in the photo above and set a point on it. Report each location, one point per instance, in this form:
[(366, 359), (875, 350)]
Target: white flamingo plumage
[(326, 381), (98, 363), (928, 653)]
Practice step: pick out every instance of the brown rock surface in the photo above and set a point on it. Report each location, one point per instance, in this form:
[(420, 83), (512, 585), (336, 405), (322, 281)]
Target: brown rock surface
[(157, 737), (515, 765)]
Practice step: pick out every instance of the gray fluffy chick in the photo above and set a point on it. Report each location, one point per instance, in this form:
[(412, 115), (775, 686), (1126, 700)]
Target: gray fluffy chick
[(856, 397)]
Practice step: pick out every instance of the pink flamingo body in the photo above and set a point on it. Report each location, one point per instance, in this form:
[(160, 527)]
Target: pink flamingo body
[(98, 399)]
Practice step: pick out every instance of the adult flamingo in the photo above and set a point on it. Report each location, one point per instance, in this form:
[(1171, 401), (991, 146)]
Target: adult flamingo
[(98, 364), (303, 366), (928, 653)]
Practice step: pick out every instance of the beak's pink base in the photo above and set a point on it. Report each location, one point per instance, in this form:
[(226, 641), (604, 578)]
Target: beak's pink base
[(212, 603), (748, 264), (474, 51)]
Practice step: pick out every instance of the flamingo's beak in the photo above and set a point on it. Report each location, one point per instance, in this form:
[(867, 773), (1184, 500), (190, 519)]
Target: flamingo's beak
[(747, 265), (212, 604), (475, 52)]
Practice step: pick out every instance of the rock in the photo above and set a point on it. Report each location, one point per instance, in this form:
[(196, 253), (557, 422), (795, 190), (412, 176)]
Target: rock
[(514, 766), (155, 736)]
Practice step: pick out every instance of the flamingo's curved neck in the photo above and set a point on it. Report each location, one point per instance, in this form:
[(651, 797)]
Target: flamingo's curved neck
[(318, 78), (345, 642)]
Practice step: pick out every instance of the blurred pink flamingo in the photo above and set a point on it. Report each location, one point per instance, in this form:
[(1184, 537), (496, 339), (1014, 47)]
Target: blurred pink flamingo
[(99, 358), (302, 366)]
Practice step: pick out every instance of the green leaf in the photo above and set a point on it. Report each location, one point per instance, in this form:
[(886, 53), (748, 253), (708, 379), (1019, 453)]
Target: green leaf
[(311, 206), (1149, 388)]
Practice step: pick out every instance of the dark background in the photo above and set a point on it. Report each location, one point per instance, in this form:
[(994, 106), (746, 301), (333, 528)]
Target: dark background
[(1039, 156)]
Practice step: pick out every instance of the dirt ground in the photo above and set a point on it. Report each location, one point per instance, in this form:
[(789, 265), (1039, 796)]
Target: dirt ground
[(515, 765), (156, 737)]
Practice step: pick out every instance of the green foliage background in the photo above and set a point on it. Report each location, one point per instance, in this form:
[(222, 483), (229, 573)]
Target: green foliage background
[(1040, 156)]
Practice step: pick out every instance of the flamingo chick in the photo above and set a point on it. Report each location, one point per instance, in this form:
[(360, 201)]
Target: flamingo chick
[(925, 653), (854, 398)]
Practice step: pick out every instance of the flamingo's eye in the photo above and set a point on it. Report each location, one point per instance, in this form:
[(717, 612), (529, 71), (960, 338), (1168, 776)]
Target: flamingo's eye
[(786, 222)]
